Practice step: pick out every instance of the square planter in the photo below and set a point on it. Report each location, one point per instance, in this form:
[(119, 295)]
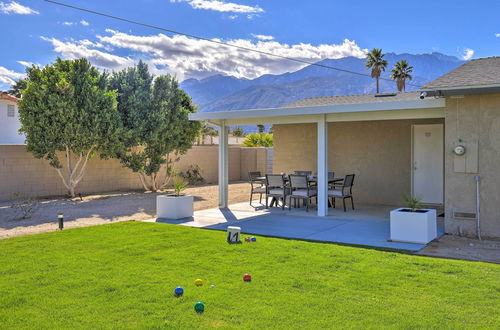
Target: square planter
[(413, 227), (174, 207)]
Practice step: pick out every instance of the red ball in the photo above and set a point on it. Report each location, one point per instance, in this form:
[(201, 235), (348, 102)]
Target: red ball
[(247, 278), (247, 239)]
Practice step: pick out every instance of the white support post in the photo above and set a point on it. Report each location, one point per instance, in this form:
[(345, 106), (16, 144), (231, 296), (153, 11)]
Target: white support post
[(223, 165), (322, 167)]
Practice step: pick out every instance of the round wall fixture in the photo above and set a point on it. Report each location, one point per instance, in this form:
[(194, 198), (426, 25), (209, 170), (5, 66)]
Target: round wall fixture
[(459, 150)]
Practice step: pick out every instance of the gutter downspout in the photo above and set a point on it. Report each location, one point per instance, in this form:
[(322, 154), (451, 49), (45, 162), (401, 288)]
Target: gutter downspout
[(477, 178)]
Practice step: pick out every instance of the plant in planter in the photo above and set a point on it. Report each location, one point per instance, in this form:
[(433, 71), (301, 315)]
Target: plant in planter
[(413, 223), (175, 206)]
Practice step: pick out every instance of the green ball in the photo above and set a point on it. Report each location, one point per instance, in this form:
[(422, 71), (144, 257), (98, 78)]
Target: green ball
[(199, 307)]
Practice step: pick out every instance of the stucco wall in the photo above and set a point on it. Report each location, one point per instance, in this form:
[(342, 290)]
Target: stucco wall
[(475, 117), (21, 172), (378, 152), (9, 125)]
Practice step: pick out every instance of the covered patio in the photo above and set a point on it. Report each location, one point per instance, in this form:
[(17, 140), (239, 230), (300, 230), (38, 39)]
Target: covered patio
[(307, 134), (368, 225)]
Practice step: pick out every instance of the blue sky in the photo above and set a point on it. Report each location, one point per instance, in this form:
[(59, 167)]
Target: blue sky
[(37, 32)]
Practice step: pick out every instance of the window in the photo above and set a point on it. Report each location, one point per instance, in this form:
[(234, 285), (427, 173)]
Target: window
[(11, 110)]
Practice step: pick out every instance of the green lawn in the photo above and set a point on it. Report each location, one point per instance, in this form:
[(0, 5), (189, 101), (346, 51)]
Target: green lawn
[(123, 276)]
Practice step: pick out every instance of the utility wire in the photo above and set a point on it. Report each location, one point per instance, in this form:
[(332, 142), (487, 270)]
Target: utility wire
[(215, 41)]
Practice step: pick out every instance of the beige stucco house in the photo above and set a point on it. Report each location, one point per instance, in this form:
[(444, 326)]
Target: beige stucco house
[(396, 144)]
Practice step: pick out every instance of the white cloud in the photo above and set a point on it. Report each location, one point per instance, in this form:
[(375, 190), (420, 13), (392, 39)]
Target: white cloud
[(74, 50), (497, 35), (233, 16), (16, 8), (221, 6), (82, 22), (198, 58), (262, 37), (26, 63), (467, 54), (9, 77)]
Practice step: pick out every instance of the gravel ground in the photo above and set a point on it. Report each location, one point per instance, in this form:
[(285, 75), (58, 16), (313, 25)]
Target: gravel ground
[(105, 208)]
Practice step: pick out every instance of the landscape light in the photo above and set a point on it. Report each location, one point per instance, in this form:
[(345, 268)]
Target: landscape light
[(60, 220)]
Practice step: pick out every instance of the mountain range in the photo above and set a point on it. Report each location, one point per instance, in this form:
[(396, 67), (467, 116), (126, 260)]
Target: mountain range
[(220, 92)]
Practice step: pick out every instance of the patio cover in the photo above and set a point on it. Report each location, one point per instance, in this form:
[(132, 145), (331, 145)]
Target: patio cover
[(320, 110)]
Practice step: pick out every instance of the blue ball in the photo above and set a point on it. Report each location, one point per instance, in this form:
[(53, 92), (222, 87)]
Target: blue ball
[(254, 239), (179, 291)]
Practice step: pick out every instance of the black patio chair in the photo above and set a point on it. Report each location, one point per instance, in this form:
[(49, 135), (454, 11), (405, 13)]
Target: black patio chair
[(257, 185), (343, 191), (276, 188), (300, 188)]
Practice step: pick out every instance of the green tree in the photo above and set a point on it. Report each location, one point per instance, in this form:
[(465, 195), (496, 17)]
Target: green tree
[(375, 61), (238, 132), (68, 116), (258, 140), (18, 87), (157, 129), (400, 73)]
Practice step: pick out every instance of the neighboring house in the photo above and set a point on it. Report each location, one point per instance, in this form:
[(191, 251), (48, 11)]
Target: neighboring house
[(9, 120), (396, 144)]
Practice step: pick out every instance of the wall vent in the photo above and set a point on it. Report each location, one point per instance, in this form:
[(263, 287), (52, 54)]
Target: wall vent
[(464, 215)]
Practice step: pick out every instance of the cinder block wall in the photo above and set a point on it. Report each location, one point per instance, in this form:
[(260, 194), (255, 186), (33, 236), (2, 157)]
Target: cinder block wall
[(23, 173)]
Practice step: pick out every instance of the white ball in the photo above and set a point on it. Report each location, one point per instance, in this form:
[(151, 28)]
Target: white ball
[(212, 286)]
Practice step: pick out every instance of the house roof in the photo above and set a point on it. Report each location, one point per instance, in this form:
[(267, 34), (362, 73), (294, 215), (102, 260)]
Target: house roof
[(354, 99), (6, 96), (481, 72), (341, 107)]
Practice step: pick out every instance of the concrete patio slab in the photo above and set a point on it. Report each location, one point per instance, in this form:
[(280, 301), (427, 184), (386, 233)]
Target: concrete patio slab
[(367, 225)]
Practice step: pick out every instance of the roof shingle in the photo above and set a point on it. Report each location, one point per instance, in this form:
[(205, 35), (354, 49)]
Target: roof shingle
[(478, 72), (354, 99)]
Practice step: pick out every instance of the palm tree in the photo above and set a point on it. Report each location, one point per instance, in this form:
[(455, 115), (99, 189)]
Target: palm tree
[(375, 61), (400, 73)]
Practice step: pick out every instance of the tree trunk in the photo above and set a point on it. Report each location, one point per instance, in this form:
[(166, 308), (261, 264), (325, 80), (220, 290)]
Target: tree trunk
[(377, 86), (74, 174)]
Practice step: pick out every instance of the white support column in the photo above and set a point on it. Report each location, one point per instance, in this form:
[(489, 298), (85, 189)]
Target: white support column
[(322, 167), (223, 165)]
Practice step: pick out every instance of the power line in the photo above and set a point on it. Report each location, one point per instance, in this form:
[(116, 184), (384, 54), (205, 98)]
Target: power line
[(215, 41)]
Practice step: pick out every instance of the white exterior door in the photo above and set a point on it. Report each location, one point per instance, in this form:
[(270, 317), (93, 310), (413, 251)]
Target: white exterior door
[(428, 166)]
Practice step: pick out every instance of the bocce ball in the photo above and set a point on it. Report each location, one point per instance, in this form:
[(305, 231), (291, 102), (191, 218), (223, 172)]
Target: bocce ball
[(254, 239), (179, 291), (198, 282), (199, 307), (247, 239), (247, 278), (212, 286)]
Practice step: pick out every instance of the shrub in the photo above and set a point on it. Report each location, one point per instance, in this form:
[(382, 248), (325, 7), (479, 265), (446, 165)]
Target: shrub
[(193, 175), (258, 140), (413, 203), (25, 207)]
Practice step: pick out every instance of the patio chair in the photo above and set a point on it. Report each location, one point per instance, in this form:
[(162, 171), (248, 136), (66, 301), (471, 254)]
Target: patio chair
[(300, 188), (276, 188), (257, 185), (343, 191)]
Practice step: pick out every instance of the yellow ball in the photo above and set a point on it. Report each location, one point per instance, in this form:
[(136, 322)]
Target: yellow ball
[(198, 282)]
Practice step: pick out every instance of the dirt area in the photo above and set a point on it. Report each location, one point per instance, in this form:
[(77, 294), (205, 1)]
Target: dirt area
[(456, 247), (105, 208)]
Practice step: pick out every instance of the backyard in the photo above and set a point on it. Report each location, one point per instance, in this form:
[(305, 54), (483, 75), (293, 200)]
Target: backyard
[(123, 275)]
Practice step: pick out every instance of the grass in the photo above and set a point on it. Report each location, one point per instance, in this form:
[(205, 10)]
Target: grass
[(123, 276)]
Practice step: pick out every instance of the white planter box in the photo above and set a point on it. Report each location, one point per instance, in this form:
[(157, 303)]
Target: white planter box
[(174, 207), (413, 227)]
